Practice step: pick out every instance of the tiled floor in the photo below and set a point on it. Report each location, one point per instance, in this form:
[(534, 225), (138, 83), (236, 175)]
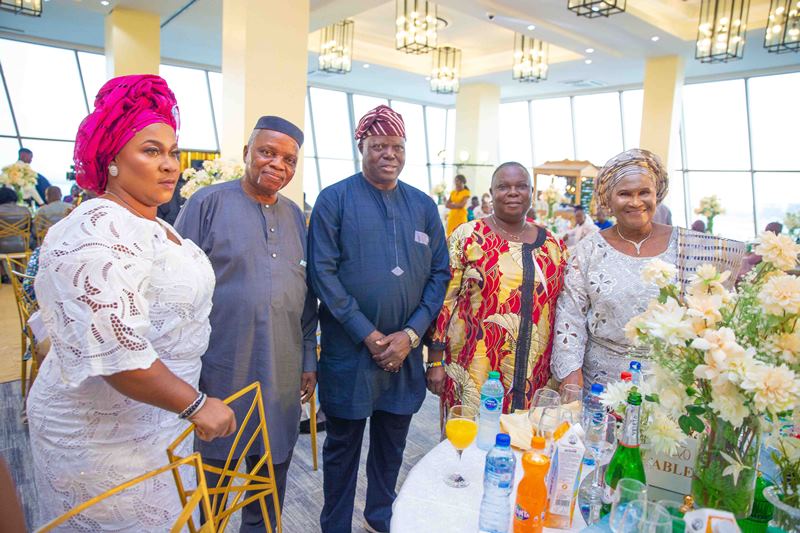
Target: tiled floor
[(304, 489)]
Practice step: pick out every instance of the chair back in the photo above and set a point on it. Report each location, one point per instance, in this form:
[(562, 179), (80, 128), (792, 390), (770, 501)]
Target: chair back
[(42, 224), (17, 264), (234, 485), (196, 499), (15, 232)]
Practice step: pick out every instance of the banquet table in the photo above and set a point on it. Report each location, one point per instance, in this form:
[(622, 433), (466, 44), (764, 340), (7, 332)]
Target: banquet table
[(425, 503)]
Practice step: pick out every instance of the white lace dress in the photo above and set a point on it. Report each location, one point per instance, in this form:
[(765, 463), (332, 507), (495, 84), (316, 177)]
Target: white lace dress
[(115, 295), (603, 290)]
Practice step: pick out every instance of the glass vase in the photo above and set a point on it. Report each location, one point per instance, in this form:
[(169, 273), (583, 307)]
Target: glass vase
[(784, 517), (725, 470)]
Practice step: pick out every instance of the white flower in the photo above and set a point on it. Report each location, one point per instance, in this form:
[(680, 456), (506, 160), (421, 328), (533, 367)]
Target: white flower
[(616, 394), (663, 433), (706, 280), (659, 273), (786, 346), (669, 323), (775, 388), (704, 310), (725, 359), (779, 250), (729, 404), (781, 294), (672, 395), (735, 466)]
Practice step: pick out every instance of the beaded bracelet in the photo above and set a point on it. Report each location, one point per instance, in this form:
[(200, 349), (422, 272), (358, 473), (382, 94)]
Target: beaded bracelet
[(194, 406)]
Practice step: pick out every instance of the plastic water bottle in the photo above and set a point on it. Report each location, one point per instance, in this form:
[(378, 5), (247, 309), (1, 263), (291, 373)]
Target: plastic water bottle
[(491, 407), (594, 413), (498, 482), (636, 373)]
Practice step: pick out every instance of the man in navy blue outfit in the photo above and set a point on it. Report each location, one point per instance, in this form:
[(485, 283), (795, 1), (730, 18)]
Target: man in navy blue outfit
[(378, 263)]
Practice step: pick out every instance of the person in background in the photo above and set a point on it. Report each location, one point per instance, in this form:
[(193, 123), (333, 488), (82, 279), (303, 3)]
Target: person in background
[(74, 193), (485, 209), (378, 263), (583, 228), (663, 215), (457, 204), (26, 156), (11, 213), (53, 210), (603, 286), (601, 218), (699, 226), (474, 204), (126, 302), (264, 319), (168, 212), (499, 309)]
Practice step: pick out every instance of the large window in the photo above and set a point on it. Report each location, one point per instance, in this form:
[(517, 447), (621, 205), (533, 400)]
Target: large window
[(598, 128), (515, 134)]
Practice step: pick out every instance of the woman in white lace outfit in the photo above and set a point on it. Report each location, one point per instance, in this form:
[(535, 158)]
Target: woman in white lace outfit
[(603, 287), (126, 303)]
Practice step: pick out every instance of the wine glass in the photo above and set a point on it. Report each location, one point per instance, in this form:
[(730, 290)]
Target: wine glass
[(571, 393), (642, 516), (461, 429), (627, 491), (545, 414), (600, 440)]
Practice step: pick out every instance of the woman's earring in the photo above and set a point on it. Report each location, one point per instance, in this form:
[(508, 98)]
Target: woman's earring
[(113, 170)]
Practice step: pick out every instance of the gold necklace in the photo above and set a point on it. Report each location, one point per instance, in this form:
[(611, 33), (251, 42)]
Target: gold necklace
[(637, 245), (508, 233)]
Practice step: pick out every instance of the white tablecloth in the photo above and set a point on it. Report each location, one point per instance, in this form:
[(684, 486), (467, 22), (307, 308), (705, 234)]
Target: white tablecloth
[(425, 503)]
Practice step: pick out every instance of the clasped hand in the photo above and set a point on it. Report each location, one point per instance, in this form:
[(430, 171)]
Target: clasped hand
[(389, 351)]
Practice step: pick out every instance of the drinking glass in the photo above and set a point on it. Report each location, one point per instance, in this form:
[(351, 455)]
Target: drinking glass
[(641, 516), (571, 393), (461, 430), (674, 509), (545, 414), (627, 492), (600, 440)]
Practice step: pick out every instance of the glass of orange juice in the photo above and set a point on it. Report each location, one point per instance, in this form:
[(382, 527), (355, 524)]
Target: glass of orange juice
[(461, 430)]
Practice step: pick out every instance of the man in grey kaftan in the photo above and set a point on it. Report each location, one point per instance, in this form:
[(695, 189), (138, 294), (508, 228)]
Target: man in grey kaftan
[(263, 319)]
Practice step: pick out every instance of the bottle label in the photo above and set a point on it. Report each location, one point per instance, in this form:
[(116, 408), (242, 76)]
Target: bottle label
[(501, 476), (520, 513), (630, 431), (490, 403)]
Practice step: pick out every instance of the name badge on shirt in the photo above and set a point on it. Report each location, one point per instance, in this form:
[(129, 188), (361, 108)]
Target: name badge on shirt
[(422, 237)]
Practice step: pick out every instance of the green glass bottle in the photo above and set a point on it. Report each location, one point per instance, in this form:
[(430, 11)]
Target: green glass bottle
[(627, 459)]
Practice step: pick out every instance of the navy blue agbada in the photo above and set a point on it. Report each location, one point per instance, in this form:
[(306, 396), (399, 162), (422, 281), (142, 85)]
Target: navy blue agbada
[(377, 260)]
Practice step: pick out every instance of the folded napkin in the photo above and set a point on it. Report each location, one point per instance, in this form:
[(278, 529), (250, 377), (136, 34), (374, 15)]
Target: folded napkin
[(519, 424)]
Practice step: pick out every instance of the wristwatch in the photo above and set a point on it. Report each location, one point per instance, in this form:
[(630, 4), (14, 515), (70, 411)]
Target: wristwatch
[(413, 336)]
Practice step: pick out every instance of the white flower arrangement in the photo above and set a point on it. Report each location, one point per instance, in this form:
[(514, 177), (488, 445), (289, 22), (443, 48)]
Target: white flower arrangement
[(792, 222), (22, 178), (438, 189), (213, 171), (731, 355), (710, 207)]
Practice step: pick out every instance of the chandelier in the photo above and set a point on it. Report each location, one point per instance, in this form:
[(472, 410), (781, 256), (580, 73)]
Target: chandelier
[(783, 26), (596, 8), (530, 59), (721, 31), (336, 47), (23, 7), (446, 70), (415, 26)]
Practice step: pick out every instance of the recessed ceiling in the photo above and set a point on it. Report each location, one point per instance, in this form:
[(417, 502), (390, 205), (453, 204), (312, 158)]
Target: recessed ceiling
[(622, 43)]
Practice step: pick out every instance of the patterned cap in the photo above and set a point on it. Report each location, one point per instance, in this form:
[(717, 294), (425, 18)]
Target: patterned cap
[(633, 161), (382, 120)]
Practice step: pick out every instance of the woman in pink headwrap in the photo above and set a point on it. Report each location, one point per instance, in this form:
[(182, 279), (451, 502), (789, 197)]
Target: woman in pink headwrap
[(126, 302)]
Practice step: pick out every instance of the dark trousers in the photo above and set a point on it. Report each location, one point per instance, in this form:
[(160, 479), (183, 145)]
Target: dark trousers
[(252, 518), (340, 457)]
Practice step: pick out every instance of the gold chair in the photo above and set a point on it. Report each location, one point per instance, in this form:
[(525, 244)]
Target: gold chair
[(41, 225), (197, 498), (261, 486), (16, 264), (20, 228)]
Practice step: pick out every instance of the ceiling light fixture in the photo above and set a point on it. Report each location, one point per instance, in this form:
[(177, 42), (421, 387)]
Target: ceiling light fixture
[(596, 8), (32, 8), (588, 61), (721, 30), (655, 38), (415, 26), (530, 59), (446, 70), (531, 27), (365, 65), (104, 2), (590, 50), (336, 47), (783, 27)]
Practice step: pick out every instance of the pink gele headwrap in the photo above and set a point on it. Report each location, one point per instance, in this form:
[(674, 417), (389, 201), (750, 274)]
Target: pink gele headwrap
[(123, 107)]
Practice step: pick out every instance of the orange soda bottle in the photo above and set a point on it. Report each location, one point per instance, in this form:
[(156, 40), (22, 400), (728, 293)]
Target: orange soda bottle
[(532, 491)]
